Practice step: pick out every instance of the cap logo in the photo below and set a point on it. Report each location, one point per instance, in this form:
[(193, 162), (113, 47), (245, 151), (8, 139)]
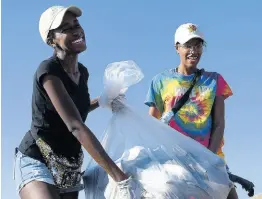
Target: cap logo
[(192, 28)]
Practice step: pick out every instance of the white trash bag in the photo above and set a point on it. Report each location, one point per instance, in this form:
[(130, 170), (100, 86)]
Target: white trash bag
[(167, 164)]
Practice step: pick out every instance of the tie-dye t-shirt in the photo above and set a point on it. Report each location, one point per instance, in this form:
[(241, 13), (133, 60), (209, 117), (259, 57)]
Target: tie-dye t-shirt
[(194, 118)]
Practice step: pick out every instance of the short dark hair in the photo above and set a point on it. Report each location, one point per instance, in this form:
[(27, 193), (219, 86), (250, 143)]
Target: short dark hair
[(50, 37), (49, 41)]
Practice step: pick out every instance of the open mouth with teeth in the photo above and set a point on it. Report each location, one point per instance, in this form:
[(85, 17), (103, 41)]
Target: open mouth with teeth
[(78, 41), (78, 44), (193, 57)]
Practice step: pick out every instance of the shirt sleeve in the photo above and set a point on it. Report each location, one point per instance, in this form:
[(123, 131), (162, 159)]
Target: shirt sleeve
[(47, 67), (223, 88), (153, 98)]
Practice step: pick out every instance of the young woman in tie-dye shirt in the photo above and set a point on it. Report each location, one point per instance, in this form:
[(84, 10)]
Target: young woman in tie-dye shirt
[(202, 116)]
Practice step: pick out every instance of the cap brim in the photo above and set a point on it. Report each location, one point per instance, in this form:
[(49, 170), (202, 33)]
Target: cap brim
[(193, 36), (60, 16)]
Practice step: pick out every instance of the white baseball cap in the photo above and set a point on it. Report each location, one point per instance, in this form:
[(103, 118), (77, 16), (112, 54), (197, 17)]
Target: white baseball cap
[(53, 17), (187, 31)]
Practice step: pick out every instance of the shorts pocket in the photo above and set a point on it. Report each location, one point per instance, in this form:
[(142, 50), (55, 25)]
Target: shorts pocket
[(26, 161)]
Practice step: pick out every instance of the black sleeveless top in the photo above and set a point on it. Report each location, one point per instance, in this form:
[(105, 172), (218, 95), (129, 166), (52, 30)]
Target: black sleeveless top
[(46, 122)]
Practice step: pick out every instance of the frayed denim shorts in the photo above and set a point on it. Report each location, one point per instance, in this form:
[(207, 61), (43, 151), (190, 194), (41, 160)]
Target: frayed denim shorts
[(27, 169)]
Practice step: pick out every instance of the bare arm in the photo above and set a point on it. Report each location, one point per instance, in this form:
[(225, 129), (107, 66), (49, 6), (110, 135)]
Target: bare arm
[(153, 111), (71, 117), (218, 125), (94, 105)]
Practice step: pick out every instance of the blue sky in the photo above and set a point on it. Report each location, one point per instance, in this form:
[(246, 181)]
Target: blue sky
[(142, 31)]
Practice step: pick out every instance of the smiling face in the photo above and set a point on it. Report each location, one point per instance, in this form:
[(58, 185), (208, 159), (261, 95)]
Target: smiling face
[(190, 52), (69, 36)]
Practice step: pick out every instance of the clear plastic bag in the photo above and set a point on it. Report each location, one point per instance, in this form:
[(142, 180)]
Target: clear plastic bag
[(166, 163)]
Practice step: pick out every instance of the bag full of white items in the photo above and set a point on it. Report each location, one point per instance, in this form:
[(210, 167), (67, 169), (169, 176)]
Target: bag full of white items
[(165, 163)]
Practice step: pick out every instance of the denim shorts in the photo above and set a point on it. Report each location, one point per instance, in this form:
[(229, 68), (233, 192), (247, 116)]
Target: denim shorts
[(27, 169)]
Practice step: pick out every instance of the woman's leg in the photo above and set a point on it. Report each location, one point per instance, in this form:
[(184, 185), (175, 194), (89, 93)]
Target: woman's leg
[(33, 179), (72, 195), (38, 190), (232, 194)]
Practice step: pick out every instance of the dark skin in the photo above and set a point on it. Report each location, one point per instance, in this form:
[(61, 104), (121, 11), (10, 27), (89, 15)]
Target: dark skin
[(192, 48), (218, 124), (94, 104), (188, 66), (67, 51)]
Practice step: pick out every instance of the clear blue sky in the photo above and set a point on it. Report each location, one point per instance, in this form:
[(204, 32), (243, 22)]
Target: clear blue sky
[(142, 31)]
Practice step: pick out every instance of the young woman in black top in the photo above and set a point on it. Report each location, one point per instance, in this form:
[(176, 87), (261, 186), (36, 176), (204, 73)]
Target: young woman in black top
[(49, 158)]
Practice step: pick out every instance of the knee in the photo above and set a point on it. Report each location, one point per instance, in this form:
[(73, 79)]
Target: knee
[(232, 194)]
